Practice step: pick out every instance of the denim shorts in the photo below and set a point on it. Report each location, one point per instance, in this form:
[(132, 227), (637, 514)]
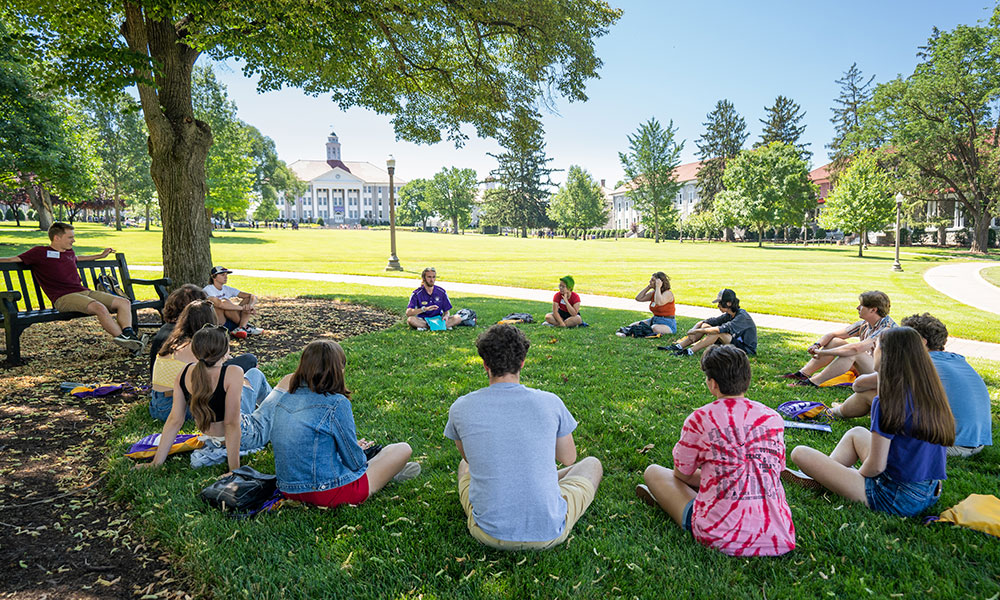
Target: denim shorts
[(903, 498), (686, 518), (668, 321)]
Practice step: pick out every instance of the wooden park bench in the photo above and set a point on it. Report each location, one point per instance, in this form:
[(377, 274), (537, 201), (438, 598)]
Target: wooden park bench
[(23, 304)]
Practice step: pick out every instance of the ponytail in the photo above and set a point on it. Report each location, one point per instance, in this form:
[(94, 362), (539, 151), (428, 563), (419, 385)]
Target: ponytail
[(209, 345)]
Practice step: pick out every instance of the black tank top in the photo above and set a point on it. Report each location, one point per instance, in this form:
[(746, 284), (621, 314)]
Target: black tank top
[(217, 403)]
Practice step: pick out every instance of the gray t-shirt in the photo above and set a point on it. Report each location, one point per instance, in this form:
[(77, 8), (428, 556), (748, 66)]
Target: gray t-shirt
[(508, 432)]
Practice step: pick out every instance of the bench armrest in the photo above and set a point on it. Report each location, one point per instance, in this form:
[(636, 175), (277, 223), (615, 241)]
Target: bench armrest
[(164, 281), (8, 302)]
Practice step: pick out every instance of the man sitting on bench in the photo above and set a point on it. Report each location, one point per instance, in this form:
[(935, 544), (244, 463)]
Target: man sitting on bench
[(54, 268)]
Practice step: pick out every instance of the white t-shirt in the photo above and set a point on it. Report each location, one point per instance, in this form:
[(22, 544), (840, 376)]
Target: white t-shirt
[(225, 293)]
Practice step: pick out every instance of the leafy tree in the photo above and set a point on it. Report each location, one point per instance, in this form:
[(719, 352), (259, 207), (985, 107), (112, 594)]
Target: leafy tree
[(434, 66), (35, 151), (941, 123), (523, 179), (725, 134), (863, 199), (266, 211), (452, 193), (121, 146), (782, 125), (230, 166), (649, 165), (414, 203), (579, 204), (855, 91), (704, 224), (766, 187)]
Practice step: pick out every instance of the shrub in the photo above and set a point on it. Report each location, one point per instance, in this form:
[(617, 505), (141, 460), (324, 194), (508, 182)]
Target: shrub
[(320, 222)]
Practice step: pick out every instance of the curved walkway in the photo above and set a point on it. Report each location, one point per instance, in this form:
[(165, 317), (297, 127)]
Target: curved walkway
[(961, 346), (962, 282)]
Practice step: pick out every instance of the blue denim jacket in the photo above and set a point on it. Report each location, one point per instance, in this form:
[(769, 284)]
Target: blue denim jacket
[(315, 443)]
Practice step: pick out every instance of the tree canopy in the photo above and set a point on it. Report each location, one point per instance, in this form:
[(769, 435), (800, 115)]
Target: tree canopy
[(855, 91), (862, 201), (452, 193), (940, 124), (781, 124), (766, 187), (523, 180), (414, 203), (649, 166), (434, 66), (724, 136), (579, 203)]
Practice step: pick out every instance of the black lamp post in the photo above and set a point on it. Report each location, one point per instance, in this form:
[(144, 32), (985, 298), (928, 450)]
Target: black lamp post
[(393, 265)]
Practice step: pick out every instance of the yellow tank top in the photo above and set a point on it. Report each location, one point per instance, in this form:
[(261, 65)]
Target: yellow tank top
[(166, 369)]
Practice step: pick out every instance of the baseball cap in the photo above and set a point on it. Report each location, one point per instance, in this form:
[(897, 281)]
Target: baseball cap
[(726, 296), (219, 270)]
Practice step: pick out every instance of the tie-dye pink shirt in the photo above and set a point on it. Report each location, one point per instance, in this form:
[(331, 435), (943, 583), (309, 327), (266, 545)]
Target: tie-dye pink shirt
[(740, 447)]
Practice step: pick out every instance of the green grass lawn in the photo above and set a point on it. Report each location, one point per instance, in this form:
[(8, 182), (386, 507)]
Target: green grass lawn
[(820, 282), (991, 275), (410, 540)]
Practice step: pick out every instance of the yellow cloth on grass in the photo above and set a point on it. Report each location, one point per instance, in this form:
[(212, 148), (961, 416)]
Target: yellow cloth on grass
[(979, 511), (847, 377)]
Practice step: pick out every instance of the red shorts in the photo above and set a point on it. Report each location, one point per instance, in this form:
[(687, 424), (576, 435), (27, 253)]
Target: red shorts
[(355, 492)]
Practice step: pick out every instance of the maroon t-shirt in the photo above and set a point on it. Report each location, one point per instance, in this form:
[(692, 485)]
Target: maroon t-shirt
[(55, 271)]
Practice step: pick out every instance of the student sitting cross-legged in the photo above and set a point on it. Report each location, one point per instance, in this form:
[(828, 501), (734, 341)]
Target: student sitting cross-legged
[(317, 456), (725, 487), (510, 437), (903, 456)]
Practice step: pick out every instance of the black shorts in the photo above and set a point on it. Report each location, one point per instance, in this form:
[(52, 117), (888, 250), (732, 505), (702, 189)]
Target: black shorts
[(565, 315)]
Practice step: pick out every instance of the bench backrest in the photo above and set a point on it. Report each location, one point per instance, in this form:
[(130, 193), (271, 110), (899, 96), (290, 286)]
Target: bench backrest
[(32, 296)]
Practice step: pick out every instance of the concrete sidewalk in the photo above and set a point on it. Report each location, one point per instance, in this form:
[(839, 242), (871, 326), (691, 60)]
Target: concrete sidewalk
[(961, 346), (963, 282)]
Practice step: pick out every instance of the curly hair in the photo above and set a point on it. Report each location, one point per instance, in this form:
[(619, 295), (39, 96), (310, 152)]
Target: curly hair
[(930, 328), (664, 280), (729, 367), (180, 298), (503, 349)]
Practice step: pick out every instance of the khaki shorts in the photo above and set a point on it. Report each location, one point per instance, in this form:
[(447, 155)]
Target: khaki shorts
[(78, 301), (578, 492)]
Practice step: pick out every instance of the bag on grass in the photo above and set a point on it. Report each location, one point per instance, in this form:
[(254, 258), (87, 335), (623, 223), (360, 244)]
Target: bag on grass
[(979, 511), (99, 390), (146, 447), (641, 329), (244, 490), (468, 317), (803, 410), (845, 380), (518, 318)]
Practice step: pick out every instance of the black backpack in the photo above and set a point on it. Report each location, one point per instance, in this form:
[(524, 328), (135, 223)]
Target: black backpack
[(245, 490), (641, 329)]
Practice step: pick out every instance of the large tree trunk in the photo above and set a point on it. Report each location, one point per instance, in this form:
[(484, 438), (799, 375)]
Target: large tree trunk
[(981, 232), (727, 234), (147, 216), (40, 203), (942, 234), (178, 144), (454, 224)]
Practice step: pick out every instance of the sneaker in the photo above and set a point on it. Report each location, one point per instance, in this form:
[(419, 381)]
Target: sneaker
[(547, 324), (803, 383), (642, 492), (239, 333), (144, 340), (801, 479), (409, 471), (796, 375), (251, 330), (130, 343), (683, 352), (672, 348), (421, 329), (619, 334)]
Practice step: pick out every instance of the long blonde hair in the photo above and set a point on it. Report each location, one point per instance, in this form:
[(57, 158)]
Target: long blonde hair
[(907, 375), (209, 345)]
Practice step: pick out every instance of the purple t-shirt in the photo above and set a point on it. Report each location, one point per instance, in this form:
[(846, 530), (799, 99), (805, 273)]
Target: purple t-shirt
[(55, 271), (910, 459), (421, 298)]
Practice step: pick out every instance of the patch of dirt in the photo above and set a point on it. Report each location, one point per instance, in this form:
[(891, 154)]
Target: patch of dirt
[(60, 536)]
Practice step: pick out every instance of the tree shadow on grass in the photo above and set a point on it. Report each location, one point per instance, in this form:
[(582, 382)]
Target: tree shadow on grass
[(239, 239)]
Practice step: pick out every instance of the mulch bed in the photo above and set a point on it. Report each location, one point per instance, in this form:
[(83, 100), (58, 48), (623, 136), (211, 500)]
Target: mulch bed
[(60, 536)]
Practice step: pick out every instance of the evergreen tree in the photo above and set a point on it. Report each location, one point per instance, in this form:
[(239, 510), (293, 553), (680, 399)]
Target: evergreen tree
[(854, 92), (782, 125), (523, 180), (725, 134)]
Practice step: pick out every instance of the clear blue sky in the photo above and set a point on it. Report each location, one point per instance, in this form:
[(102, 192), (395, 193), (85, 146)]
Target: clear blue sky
[(665, 59)]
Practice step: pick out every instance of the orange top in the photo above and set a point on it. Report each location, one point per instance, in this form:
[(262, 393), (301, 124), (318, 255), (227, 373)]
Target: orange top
[(663, 310)]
